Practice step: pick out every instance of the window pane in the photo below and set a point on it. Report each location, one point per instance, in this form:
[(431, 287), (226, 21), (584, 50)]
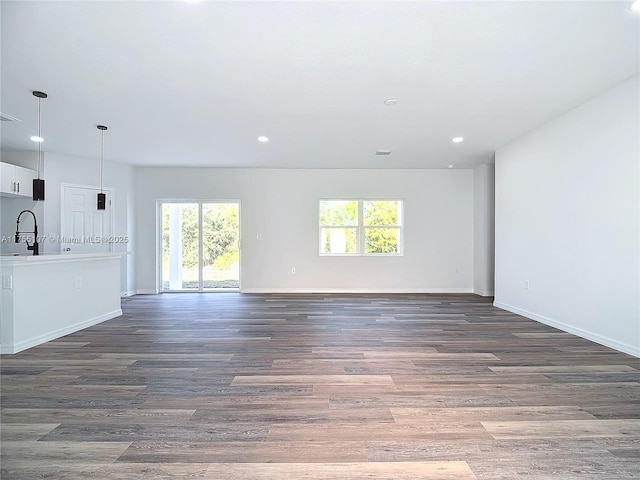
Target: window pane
[(221, 254), (190, 246), (180, 246), (338, 240), (382, 212), (338, 212), (381, 240)]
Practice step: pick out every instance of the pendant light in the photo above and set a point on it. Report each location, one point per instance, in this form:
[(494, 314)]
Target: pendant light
[(102, 198), (38, 183)]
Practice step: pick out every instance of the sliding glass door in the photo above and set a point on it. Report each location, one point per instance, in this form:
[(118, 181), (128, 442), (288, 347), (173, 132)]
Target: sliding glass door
[(200, 246)]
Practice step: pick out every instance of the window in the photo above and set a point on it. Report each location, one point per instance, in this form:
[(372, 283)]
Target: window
[(361, 227), (199, 245)]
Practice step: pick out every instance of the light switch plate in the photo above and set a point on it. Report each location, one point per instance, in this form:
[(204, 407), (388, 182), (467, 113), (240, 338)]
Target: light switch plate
[(7, 282)]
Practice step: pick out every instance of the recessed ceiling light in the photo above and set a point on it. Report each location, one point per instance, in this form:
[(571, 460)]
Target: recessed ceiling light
[(389, 102), (450, 166), (457, 139), (636, 6), (263, 139), (35, 138)]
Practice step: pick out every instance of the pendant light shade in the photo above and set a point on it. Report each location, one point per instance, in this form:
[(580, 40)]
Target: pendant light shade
[(38, 183), (102, 198)]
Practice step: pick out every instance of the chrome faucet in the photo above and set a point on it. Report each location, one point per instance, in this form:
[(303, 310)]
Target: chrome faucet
[(34, 248)]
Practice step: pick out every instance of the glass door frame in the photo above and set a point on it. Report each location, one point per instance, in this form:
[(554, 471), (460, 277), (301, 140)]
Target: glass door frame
[(159, 264)]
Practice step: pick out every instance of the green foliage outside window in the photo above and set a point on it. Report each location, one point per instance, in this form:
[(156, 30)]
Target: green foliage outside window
[(381, 240), (381, 213), (220, 234), (341, 228), (335, 213)]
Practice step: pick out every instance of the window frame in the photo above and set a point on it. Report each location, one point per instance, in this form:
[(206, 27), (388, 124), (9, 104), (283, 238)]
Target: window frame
[(361, 228)]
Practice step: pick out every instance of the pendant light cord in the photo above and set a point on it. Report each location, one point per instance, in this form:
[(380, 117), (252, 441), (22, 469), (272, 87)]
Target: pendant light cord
[(102, 128), (39, 136), (101, 157)]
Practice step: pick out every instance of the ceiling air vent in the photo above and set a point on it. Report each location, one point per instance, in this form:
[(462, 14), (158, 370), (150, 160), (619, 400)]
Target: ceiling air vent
[(383, 152), (8, 118)]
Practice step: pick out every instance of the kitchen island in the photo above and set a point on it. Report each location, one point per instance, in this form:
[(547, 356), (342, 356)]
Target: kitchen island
[(47, 296)]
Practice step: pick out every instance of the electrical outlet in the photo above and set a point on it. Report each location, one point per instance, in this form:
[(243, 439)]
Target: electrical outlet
[(78, 282), (293, 270), (7, 282)]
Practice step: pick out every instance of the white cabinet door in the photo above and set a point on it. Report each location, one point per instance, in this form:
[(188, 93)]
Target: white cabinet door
[(16, 181), (7, 178), (24, 181)]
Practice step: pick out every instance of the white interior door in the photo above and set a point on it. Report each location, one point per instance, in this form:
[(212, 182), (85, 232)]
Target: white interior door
[(85, 229)]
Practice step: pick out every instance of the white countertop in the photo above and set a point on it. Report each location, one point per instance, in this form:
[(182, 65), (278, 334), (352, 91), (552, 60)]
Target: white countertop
[(56, 257)]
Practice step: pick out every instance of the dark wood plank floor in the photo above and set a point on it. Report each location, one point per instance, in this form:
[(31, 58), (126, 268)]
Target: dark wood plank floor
[(231, 386)]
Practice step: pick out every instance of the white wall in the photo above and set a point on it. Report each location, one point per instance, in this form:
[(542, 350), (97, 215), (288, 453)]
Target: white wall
[(282, 206), (567, 220), (59, 169), (483, 229)]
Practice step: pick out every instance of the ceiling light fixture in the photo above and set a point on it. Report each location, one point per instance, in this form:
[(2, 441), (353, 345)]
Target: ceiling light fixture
[(263, 139), (102, 198), (635, 6), (38, 183), (390, 102), (450, 166), (457, 139)]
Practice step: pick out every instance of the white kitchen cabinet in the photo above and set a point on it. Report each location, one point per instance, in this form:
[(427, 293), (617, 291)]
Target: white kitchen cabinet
[(16, 181)]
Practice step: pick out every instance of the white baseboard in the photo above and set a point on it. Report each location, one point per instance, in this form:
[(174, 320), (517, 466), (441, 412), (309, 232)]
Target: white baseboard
[(594, 337), (356, 290), (146, 291), (130, 293), (483, 293), (32, 342)]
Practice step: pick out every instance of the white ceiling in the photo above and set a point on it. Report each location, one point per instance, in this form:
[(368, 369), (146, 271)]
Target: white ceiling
[(195, 84)]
